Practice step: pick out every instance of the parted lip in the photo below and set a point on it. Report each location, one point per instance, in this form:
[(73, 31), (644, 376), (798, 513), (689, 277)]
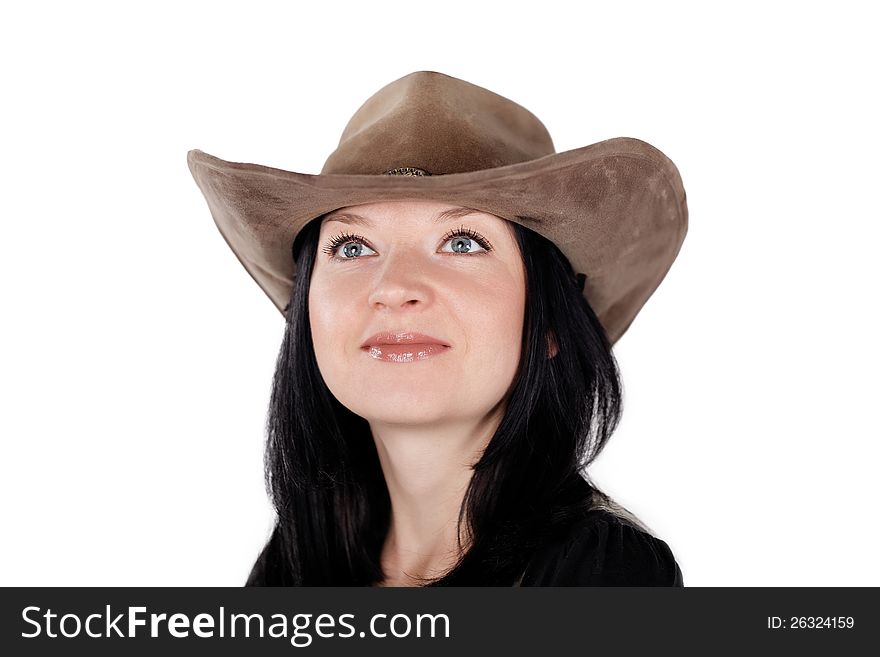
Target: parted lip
[(401, 337)]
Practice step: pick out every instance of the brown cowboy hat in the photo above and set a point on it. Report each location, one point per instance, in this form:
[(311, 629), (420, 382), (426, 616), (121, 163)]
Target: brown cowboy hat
[(617, 208)]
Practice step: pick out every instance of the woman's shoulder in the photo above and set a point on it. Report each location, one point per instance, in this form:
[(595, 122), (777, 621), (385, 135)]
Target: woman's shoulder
[(604, 549)]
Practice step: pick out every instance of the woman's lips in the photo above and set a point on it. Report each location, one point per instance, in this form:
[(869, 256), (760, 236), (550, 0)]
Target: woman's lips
[(405, 353), (403, 346)]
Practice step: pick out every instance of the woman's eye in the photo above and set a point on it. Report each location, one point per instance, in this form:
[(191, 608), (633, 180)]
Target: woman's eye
[(346, 247), (463, 244), (352, 250), (466, 240)]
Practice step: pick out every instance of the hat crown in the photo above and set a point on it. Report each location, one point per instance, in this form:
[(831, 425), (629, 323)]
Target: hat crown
[(437, 124)]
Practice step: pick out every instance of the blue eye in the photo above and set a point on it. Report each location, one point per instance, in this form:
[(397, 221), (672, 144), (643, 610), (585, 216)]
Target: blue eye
[(354, 245), (462, 238)]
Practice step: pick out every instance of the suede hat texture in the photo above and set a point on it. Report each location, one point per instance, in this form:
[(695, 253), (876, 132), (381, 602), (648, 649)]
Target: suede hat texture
[(616, 209)]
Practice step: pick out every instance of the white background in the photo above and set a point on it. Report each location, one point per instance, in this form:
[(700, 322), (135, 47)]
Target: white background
[(137, 354)]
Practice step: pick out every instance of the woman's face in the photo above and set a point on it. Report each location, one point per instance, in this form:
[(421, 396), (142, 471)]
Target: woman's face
[(402, 267)]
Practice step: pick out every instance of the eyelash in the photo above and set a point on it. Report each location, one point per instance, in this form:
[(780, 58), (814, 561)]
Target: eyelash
[(345, 238)]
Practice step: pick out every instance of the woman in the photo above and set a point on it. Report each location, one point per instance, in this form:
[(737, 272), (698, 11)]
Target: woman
[(444, 380)]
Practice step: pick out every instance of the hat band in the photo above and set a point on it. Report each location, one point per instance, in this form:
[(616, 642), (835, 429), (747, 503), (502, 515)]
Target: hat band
[(407, 171)]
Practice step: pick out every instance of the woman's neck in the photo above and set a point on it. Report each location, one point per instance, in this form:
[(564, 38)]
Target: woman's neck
[(427, 471)]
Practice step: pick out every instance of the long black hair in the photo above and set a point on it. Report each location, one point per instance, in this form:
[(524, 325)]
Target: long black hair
[(323, 471)]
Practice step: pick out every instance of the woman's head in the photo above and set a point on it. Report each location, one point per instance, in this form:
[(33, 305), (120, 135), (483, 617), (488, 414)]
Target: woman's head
[(417, 266), (553, 366)]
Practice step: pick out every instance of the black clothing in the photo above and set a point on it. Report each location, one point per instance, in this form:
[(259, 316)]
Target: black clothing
[(604, 550), (601, 549)]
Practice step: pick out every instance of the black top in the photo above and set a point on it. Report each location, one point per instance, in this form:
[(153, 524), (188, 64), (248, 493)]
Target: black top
[(601, 549), (604, 550)]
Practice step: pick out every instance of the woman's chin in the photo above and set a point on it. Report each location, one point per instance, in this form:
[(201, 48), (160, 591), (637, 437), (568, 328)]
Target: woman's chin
[(402, 411)]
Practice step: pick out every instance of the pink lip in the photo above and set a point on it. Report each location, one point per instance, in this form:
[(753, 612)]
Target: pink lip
[(403, 346)]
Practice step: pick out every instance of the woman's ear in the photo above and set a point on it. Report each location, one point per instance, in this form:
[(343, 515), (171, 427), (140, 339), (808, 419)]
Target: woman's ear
[(552, 347)]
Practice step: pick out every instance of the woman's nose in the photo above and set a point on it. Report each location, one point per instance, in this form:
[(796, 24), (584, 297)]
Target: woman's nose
[(401, 281)]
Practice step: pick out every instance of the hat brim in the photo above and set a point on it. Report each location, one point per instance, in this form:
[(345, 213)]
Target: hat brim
[(616, 209)]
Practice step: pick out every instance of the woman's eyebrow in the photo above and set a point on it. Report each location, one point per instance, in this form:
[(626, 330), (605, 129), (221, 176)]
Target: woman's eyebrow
[(446, 215)]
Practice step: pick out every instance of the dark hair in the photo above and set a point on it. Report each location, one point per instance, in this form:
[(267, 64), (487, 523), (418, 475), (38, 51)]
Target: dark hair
[(323, 472)]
